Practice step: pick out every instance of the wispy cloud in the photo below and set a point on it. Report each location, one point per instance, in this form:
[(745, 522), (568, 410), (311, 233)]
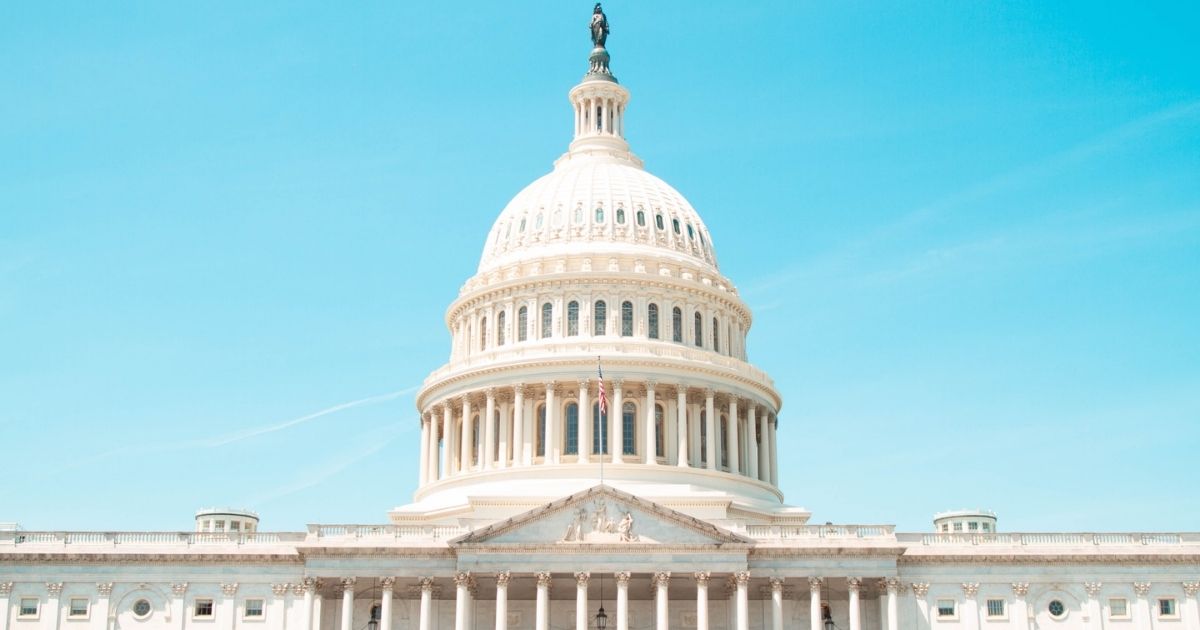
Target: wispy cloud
[(246, 434)]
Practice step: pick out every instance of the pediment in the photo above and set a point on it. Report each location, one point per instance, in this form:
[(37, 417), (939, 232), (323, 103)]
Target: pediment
[(601, 515)]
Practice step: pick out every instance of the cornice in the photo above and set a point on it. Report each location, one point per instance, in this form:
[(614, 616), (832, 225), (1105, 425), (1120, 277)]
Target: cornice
[(82, 557), (1050, 558)]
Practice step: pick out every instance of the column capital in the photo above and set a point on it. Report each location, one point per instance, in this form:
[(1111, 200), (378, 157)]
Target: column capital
[(581, 579), (543, 579), (892, 585), (6, 588), (650, 385), (1142, 589), (970, 589), (230, 589), (1191, 588), (853, 584), (617, 383), (1092, 588), (462, 579), (709, 393), (814, 585), (742, 578), (622, 577), (280, 589), (177, 588), (490, 394), (54, 588), (387, 582), (502, 578), (702, 577), (661, 579), (425, 584), (776, 584), (921, 588), (1020, 589)]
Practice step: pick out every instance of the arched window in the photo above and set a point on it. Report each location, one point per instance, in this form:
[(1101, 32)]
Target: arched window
[(599, 431), (547, 319), (660, 432), (537, 222), (641, 218), (475, 430), (571, 438), (658, 221), (724, 441), (677, 325), (621, 216), (522, 229), (483, 333), (579, 214), (703, 438), (556, 219), (691, 234), (629, 429), (626, 319), (675, 224), (523, 323), (572, 318), (652, 320), (716, 335), (599, 214), (699, 330), (599, 317), (541, 431), (501, 319)]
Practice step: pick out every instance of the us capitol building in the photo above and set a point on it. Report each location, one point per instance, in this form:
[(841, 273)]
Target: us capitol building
[(536, 510)]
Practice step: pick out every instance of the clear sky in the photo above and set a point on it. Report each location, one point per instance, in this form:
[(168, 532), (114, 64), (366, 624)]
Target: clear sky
[(969, 233)]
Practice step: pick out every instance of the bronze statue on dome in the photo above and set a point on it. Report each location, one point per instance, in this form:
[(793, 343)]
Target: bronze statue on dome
[(599, 27)]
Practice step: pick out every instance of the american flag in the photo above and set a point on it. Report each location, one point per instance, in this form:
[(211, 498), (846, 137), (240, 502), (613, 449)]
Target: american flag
[(603, 396)]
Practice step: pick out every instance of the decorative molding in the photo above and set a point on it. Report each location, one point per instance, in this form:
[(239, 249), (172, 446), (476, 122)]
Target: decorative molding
[(1141, 588), (622, 577), (104, 589), (920, 589), (581, 579), (1092, 588), (462, 579), (280, 589), (1191, 588), (701, 577), (426, 583), (178, 589), (502, 579), (970, 589), (853, 584), (6, 588), (348, 583), (892, 586), (229, 589), (661, 579), (54, 588), (814, 586), (742, 578), (776, 585), (1020, 589), (387, 582)]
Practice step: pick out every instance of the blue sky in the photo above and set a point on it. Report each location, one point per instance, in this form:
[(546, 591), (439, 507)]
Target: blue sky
[(969, 232)]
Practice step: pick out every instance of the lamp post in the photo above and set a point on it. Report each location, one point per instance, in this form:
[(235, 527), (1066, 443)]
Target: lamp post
[(601, 617)]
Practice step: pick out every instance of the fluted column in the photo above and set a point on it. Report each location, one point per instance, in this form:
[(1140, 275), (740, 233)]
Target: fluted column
[(53, 607), (520, 449), (764, 454), (385, 602), (774, 452), (467, 440), (318, 607), (423, 471), (662, 580), (551, 447), (426, 618), (617, 422), (776, 604), (970, 607), (742, 579), (893, 603), (542, 614), (585, 424), (681, 430), (651, 440), (1093, 609), (752, 440), (489, 430), (504, 438), (814, 603), (447, 446), (1191, 605), (305, 588), (347, 603), (731, 432), (702, 578), (710, 430), (1142, 618), (103, 593), (853, 585), (462, 582), (581, 600), (502, 600), (622, 600)]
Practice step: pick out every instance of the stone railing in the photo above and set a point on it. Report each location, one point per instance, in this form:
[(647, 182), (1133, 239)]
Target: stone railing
[(113, 539), (791, 532), (393, 532), (1057, 539)]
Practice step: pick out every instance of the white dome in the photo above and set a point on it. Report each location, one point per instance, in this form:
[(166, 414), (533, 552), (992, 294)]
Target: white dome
[(601, 204)]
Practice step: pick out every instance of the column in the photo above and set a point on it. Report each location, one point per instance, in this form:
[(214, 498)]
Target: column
[(318, 604), (447, 447), (731, 430), (505, 432), (471, 590), (814, 603), (426, 618), (1019, 615), (581, 599), (432, 474), (585, 423), (662, 580), (893, 603), (970, 608), (742, 579), (774, 452), (651, 440), (752, 439), (227, 612), (617, 424), (347, 604), (777, 604), (103, 592), (177, 606), (1141, 606), (501, 600), (282, 605), (489, 430), (622, 600), (385, 602), (466, 440), (924, 621), (305, 589), (1191, 607), (854, 585), (520, 450), (710, 430), (681, 432), (53, 607), (423, 473), (462, 580), (764, 454), (702, 599), (541, 620), (552, 446)]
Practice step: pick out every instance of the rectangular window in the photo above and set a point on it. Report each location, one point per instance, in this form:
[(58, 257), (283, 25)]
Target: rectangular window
[(234, 526), (973, 526), (79, 607), (29, 607), (946, 527), (945, 608), (995, 608), (958, 527), (220, 526), (987, 527), (254, 608), (1166, 607), (1118, 608), (204, 608)]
